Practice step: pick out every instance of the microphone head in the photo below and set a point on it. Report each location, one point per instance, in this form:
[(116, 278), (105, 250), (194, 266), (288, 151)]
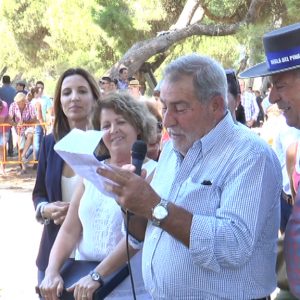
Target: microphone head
[(139, 150)]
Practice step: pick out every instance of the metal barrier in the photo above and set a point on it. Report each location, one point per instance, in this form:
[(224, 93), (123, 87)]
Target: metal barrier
[(6, 128)]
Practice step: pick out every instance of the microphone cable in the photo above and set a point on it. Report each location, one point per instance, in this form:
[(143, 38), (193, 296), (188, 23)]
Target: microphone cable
[(128, 214)]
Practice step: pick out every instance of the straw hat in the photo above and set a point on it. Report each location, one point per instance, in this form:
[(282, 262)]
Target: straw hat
[(134, 82)]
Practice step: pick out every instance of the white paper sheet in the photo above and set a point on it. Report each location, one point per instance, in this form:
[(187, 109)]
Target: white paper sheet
[(77, 150)]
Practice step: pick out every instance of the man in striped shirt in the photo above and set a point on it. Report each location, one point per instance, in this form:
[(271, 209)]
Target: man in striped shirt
[(211, 212), (249, 103)]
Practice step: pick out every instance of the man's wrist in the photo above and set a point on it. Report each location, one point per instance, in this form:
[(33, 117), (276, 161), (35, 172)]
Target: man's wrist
[(160, 212)]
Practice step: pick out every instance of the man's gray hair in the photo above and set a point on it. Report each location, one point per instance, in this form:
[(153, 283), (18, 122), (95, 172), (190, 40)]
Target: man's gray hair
[(209, 77)]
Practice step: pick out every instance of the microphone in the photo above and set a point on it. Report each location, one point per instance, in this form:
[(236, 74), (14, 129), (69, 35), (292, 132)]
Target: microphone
[(138, 154)]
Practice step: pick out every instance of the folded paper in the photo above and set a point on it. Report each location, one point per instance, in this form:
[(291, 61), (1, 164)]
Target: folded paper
[(77, 149)]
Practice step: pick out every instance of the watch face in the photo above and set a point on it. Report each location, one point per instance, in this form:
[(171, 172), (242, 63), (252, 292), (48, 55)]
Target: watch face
[(95, 276), (160, 212)]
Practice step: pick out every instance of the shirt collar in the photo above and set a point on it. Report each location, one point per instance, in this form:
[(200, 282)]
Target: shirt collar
[(217, 135)]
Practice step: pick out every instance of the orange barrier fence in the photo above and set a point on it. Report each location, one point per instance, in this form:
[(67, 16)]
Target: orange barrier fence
[(16, 133)]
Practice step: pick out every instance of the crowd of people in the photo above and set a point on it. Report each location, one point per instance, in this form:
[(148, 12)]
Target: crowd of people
[(203, 219), (25, 117)]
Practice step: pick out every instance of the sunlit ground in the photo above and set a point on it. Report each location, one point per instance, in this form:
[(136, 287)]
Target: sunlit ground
[(20, 235)]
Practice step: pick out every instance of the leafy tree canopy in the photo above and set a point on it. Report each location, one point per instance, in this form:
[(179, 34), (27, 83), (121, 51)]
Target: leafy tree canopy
[(42, 38)]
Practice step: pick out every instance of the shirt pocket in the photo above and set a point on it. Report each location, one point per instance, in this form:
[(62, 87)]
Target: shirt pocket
[(199, 198)]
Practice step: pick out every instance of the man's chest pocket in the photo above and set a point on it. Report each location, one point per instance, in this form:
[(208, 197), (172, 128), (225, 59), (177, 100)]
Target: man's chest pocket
[(199, 198)]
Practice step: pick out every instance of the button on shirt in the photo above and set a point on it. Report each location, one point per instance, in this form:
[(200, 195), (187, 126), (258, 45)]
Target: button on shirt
[(231, 181)]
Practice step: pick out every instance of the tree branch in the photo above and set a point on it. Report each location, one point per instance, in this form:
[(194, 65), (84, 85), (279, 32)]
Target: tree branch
[(141, 51), (187, 14)]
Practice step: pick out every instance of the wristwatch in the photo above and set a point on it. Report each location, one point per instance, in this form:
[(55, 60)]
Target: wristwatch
[(97, 277), (160, 212)]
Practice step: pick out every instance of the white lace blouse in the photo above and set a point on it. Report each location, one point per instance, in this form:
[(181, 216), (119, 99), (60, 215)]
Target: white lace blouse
[(102, 219)]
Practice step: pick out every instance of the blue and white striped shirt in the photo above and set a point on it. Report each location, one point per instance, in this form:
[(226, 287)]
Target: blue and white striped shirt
[(231, 181)]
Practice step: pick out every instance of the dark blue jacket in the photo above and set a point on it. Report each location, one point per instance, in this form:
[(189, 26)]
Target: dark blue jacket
[(47, 188)]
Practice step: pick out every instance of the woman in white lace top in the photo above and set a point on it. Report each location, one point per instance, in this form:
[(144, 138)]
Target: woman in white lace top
[(94, 220)]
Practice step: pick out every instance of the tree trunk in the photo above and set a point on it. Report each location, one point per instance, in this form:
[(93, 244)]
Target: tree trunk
[(140, 52)]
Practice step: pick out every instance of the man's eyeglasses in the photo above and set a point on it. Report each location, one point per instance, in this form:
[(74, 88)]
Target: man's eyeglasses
[(103, 82), (233, 84)]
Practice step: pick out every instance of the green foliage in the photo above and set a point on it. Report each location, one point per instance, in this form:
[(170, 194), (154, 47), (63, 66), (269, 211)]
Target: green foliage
[(224, 8), (293, 9), (127, 22), (41, 38), (48, 37), (113, 17), (25, 20)]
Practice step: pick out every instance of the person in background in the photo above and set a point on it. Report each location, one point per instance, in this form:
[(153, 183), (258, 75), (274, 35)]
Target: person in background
[(154, 145), (105, 85), (283, 66), (75, 95), (134, 89), (20, 87), (261, 115), (266, 103), (284, 140), (7, 94), (22, 115), (212, 209), (123, 79), (114, 85), (46, 102), (39, 129), (234, 97), (249, 103), (28, 148), (94, 220), (47, 109), (156, 95), (4, 133)]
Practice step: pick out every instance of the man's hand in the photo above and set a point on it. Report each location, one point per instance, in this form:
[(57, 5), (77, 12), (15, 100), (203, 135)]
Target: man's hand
[(56, 211), (132, 191)]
